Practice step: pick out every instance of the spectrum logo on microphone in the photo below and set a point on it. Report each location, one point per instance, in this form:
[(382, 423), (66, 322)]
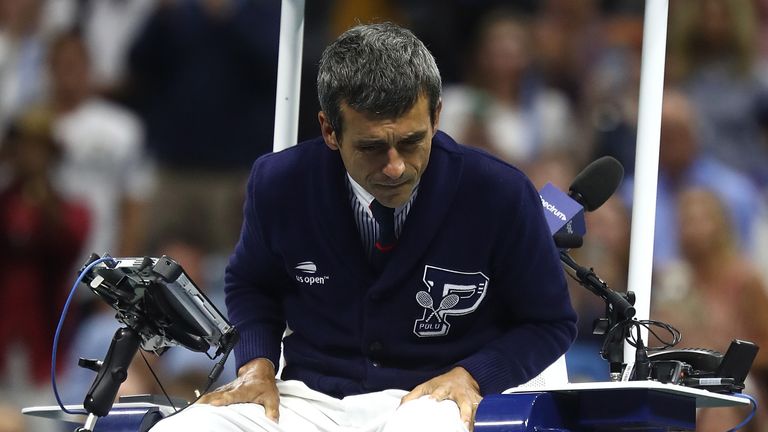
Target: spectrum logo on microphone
[(552, 209), (562, 213)]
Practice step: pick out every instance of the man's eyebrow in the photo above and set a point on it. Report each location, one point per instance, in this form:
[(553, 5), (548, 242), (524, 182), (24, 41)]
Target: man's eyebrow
[(370, 141), (409, 138), (414, 137)]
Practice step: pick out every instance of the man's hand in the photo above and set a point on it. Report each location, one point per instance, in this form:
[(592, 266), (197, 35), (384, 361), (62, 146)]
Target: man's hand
[(255, 383), (456, 385)]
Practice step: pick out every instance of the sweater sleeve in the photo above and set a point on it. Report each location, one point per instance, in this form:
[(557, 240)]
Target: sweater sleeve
[(542, 322), (253, 284)]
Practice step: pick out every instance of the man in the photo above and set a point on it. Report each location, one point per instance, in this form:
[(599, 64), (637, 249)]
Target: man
[(684, 164), (104, 161), (204, 76), (415, 275)]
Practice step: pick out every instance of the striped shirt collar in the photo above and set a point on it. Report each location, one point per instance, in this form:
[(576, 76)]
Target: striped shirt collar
[(367, 226)]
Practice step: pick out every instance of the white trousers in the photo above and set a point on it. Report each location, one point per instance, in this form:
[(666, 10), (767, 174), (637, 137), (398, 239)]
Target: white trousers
[(305, 410)]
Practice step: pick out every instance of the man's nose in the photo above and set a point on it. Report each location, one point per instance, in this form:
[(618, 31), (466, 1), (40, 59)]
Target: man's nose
[(395, 165)]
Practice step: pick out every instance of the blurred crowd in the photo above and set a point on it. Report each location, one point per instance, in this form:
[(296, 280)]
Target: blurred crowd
[(128, 127)]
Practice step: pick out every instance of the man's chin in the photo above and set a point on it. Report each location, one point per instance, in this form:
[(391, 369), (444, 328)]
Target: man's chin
[(392, 196), (393, 200)]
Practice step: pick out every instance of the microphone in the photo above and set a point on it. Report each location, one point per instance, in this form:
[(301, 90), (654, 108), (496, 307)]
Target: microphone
[(589, 190), (564, 215), (568, 241), (596, 183)]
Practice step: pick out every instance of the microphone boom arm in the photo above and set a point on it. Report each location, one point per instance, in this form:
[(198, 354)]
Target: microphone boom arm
[(589, 280), (619, 310)]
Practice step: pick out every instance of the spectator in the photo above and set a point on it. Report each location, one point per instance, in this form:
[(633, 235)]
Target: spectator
[(22, 57), (503, 107), (206, 71), (109, 28), (611, 88), (712, 53), (567, 41), (682, 165), (41, 236), (713, 295), (104, 163)]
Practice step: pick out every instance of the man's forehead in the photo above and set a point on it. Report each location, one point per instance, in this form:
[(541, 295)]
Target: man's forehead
[(345, 109)]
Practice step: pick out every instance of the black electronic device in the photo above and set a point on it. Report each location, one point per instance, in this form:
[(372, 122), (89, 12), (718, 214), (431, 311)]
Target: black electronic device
[(157, 299), (700, 360), (703, 368), (737, 361), (669, 371), (161, 307)]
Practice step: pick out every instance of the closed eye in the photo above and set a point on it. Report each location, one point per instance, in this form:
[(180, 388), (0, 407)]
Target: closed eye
[(412, 140), (369, 147)]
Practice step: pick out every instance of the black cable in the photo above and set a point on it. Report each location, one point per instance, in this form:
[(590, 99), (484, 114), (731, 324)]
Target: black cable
[(157, 380), (608, 337), (642, 364), (676, 336), (632, 340), (212, 376), (648, 324)]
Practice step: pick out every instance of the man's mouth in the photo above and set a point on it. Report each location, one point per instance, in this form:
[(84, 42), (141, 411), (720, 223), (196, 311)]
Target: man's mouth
[(393, 188)]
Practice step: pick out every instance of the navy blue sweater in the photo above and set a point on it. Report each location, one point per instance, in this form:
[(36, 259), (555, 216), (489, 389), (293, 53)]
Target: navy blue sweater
[(475, 279)]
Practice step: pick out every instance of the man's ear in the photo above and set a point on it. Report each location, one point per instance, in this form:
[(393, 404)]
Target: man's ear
[(436, 122), (329, 134)]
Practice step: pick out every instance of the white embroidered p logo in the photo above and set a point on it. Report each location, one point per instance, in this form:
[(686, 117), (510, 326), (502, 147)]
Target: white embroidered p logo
[(454, 293)]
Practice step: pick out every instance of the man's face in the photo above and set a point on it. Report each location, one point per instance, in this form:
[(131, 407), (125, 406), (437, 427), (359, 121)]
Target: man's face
[(386, 156)]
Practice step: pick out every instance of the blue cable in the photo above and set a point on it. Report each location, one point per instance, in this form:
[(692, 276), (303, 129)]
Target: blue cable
[(87, 269), (753, 402)]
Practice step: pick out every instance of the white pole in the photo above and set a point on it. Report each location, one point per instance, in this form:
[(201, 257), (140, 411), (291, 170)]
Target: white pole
[(289, 74), (647, 159)]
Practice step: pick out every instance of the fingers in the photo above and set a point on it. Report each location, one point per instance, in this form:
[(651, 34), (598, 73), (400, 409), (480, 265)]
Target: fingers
[(442, 393), (416, 393), (220, 397), (205, 399), (410, 396), (270, 401), (271, 409), (216, 397), (246, 389), (467, 409)]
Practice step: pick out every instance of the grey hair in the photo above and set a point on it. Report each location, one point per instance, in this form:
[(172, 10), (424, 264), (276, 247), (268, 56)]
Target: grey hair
[(379, 69)]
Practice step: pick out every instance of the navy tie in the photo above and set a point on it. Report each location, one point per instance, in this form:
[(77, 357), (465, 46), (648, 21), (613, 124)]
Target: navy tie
[(385, 217)]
